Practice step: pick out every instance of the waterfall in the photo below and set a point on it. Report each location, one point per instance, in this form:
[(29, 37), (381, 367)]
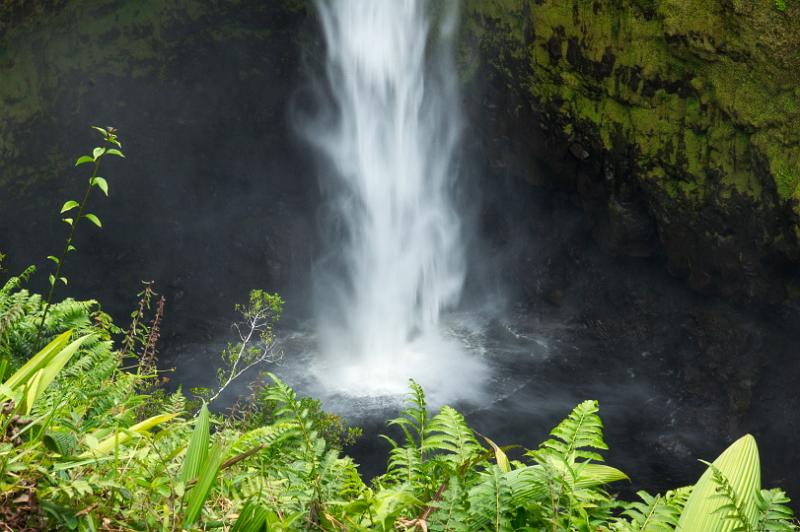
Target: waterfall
[(396, 258)]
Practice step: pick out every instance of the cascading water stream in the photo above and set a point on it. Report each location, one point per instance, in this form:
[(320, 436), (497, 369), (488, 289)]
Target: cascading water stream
[(397, 260)]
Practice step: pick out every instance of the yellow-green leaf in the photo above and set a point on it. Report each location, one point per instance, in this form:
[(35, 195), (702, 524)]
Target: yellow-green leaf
[(38, 361), (741, 466), (108, 444), (83, 160), (499, 456), (31, 392), (94, 219), (68, 206), (48, 372), (101, 183)]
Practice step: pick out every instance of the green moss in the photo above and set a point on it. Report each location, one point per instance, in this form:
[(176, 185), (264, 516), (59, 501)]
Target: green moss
[(704, 93)]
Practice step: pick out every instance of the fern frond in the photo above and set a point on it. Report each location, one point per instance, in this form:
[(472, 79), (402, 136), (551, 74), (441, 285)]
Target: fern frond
[(404, 465), (732, 508), (581, 430), (652, 514), (15, 282), (413, 419), (774, 512), (490, 502), (451, 510), (448, 432)]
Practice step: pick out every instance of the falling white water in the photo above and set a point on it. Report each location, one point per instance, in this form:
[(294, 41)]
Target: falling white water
[(397, 261)]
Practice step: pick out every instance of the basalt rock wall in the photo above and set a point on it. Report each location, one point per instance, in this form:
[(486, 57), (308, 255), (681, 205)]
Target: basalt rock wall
[(213, 197), (675, 122)]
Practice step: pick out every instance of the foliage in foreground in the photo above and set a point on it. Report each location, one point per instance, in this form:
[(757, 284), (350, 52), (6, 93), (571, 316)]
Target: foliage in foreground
[(88, 443), (85, 446)]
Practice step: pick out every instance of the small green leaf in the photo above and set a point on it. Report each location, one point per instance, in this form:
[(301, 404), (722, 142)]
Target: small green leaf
[(67, 220), (83, 160), (101, 130), (63, 280), (54, 259), (68, 206), (101, 183), (114, 151), (94, 219), (98, 152), (52, 279), (71, 248)]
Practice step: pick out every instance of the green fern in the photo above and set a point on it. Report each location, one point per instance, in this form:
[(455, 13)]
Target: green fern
[(774, 512), (490, 502), (451, 510), (580, 431), (732, 508), (449, 433), (652, 514)]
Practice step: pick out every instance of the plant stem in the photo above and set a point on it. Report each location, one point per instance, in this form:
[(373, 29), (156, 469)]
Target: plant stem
[(64, 252)]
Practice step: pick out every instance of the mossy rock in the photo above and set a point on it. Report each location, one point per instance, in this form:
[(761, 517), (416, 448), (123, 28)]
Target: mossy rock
[(701, 96)]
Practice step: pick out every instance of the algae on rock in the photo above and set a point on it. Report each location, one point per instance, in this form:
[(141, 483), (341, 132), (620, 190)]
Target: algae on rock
[(699, 102)]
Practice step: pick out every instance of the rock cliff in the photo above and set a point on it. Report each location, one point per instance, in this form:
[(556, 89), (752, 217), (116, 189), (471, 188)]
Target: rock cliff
[(676, 121)]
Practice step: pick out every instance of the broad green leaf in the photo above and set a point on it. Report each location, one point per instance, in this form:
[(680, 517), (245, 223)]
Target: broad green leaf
[(98, 152), (198, 447), (94, 219), (531, 482), (108, 444), (114, 151), (52, 368), (704, 511), (83, 160), (199, 493), (38, 361), (101, 183), (101, 130), (42, 369), (591, 475), (68, 206), (54, 259)]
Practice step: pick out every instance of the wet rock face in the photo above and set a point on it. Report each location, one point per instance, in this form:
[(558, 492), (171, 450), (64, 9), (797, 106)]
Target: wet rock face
[(213, 197), (674, 120)]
